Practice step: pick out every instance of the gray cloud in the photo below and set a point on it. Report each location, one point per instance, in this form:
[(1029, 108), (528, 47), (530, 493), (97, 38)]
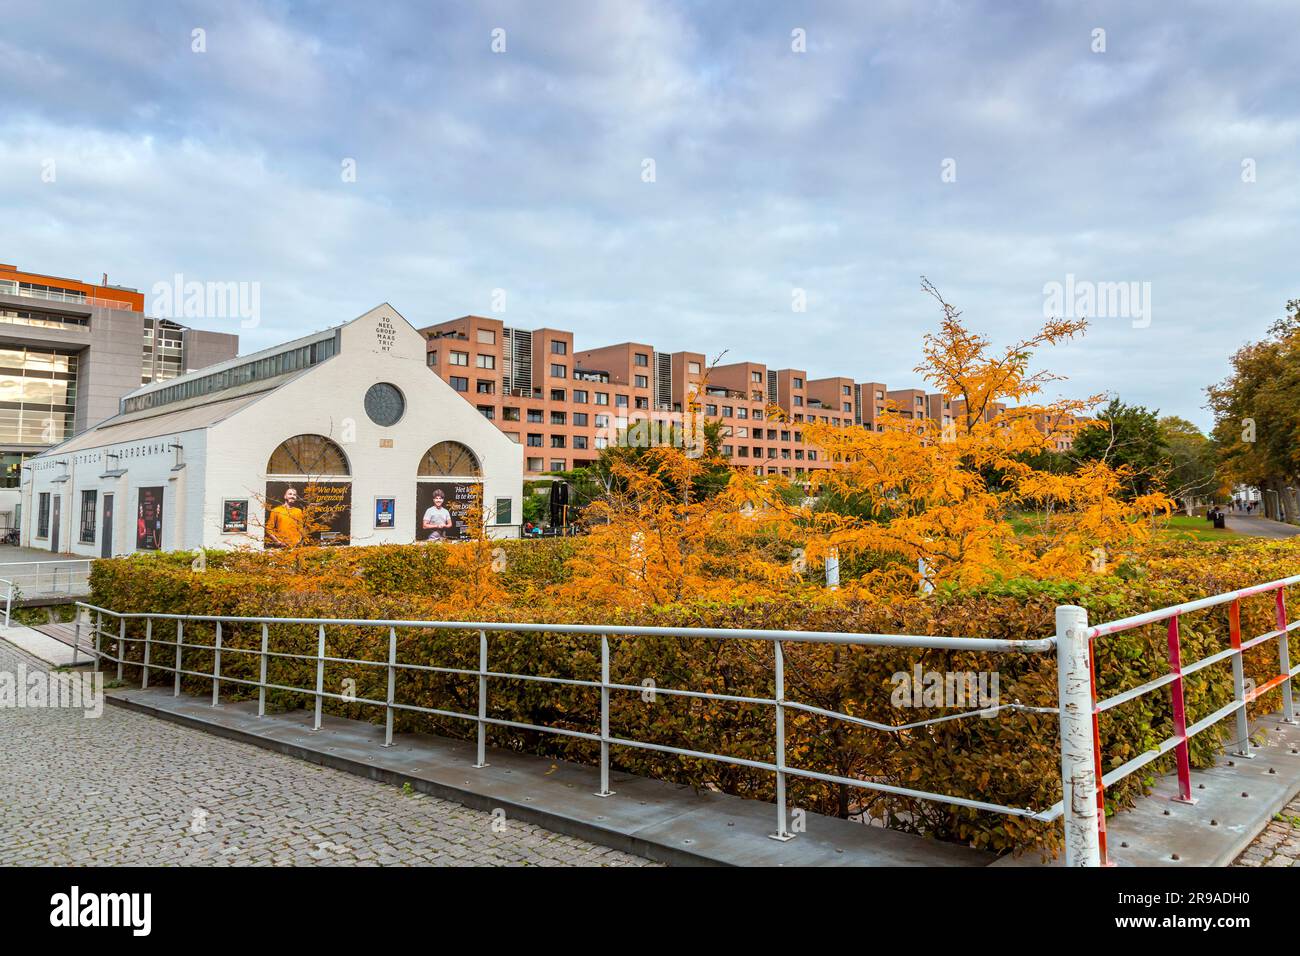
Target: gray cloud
[(775, 170)]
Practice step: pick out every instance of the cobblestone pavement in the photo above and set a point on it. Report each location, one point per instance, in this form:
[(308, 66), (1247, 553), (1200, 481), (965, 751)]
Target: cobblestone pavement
[(1279, 844), (126, 788)]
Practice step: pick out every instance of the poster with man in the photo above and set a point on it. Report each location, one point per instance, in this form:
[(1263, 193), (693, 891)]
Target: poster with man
[(149, 519), (303, 513), (443, 508), (234, 516)]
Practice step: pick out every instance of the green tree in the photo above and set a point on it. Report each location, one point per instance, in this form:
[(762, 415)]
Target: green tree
[(1190, 464), (1129, 437)]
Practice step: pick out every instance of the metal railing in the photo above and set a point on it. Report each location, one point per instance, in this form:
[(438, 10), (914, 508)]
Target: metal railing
[(1094, 836), (48, 578), (484, 674), (1083, 782), (9, 598)]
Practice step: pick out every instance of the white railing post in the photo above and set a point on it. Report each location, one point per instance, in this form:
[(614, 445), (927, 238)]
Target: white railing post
[(216, 668), (180, 645), (261, 677), (482, 699), (99, 638), (1078, 759), (9, 602), (121, 646), (76, 633), (392, 686), (148, 643), (778, 682), (604, 719), (320, 676)]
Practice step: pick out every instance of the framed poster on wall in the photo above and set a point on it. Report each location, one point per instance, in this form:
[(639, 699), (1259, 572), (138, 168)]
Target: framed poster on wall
[(307, 513), (385, 513), (149, 519), (234, 516), (443, 508)]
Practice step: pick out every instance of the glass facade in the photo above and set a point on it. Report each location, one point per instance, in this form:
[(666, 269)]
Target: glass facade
[(42, 320), (164, 351), (38, 395)]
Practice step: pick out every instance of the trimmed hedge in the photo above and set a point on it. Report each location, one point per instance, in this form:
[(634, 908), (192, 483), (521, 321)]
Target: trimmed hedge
[(1011, 759)]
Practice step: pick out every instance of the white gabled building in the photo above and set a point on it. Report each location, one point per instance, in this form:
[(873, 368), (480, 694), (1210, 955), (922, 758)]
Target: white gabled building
[(352, 419)]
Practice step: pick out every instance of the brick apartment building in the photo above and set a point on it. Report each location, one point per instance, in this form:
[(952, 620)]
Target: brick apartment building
[(564, 405)]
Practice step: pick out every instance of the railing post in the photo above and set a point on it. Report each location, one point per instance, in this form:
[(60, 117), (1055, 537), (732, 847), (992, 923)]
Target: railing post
[(1181, 752), (781, 833), (121, 646), (148, 643), (1239, 681), (483, 700), (76, 633), (99, 637), (604, 719), (216, 668), (1079, 781), (261, 676), (392, 686), (9, 602), (320, 676), (180, 644), (1284, 658)]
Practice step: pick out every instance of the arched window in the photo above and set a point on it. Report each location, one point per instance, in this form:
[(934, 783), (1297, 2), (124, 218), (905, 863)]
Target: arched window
[(313, 456), (449, 459)]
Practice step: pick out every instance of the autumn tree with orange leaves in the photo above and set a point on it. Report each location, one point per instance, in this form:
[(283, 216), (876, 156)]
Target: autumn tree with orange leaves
[(932, 502)]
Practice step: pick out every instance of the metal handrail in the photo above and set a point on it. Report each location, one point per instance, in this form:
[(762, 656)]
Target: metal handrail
[(9, 598), (1178, 742), (605, 684)]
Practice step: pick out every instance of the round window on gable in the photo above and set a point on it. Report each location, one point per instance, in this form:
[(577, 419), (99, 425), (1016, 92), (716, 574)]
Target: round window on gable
[(385, 404)]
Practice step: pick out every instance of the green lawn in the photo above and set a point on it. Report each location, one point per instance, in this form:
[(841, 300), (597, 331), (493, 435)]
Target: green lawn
[(1177, 528)]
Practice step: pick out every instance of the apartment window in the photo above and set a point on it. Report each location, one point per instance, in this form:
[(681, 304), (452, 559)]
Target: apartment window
[(557, 394), (433, 357), (758, 452), (559, 348), (580, 441), (728, 411), (485, 361), (743, 451), (559, 371), (510, 414), (798, 382), (880, 396), (642, 382), (602, 421), (580, 419), (785, 436), (43, 516), (460, 383), (693, 368), (812, 455), (534, 441), (535, 416), (847, 390), (487, 411), (503, 510), (848, 407), (459, 358), (557, 464), (534, 464), (771, 453), (758, 414), (742, 412), (643, 402), (785, 453), (711, 410), (485, 387), (580, 396), (726, 451), (557, 441), (88, 499), (558, 418), (742, 432), (602, 398), (602, 442), (798, 436), (620, 401), (486, 337), (798, 401), (642, 360)]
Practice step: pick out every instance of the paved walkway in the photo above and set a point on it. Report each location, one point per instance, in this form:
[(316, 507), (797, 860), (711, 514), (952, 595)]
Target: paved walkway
[(1279, 844), (1256, 526), (125, 789)]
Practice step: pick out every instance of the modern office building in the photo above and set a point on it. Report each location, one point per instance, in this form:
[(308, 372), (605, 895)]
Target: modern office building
[(69, 351), (339, 437), (563, 404)]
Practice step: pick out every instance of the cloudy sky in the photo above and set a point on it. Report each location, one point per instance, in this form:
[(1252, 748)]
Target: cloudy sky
[(994, 147)]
